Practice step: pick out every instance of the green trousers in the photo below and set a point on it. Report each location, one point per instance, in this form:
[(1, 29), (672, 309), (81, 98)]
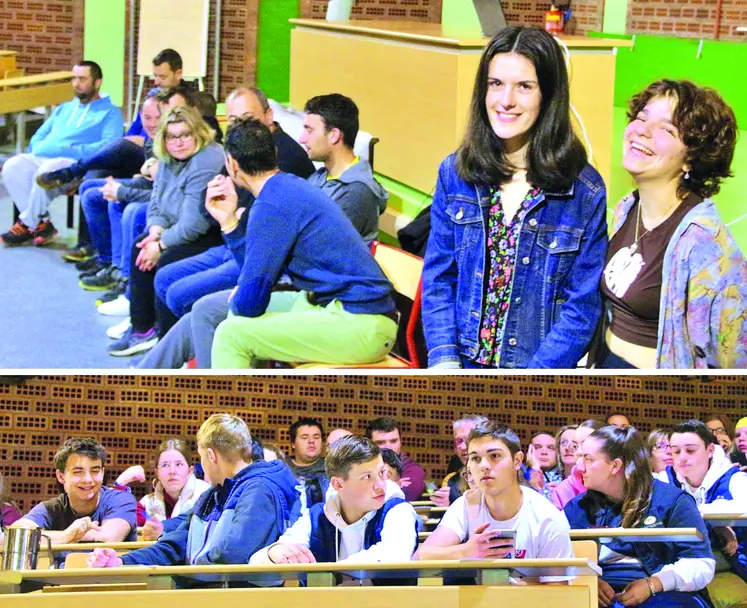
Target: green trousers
[(293, 330)]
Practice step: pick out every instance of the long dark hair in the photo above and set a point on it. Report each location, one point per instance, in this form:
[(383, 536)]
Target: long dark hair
[(555, 156), (628, 446)]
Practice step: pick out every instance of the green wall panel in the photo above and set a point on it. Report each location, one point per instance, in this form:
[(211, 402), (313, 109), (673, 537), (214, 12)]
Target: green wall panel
[(273, 47), (104, 43)]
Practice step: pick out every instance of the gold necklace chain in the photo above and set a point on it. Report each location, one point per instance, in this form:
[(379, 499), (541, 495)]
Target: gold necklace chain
[(634, 245)]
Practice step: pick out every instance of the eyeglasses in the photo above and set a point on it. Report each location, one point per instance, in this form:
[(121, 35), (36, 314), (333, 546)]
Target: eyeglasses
[(183, 137), (179, 466), (662, 447), (566, 443), (719, 431)]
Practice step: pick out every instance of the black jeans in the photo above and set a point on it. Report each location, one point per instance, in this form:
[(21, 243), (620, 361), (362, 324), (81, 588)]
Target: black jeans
[(606, 359), (142, 290)]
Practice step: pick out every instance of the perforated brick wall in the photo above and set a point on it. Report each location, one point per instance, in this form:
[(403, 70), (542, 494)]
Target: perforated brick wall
[(688, 19), (46, 34), (131, 414), (405, 10)]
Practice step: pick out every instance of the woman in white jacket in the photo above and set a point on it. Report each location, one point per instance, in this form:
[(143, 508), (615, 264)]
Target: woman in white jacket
[(176, 488)]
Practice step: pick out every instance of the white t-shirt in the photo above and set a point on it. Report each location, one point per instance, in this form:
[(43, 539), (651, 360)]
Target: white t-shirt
[(541, 530)]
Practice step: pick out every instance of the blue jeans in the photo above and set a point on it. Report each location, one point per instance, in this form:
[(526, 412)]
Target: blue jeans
[(181, 284), (121, 158), (131, 220), (105, 228)]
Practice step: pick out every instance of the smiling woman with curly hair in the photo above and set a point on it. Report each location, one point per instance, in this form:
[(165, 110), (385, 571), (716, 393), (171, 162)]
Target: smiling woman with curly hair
[(675, 282)]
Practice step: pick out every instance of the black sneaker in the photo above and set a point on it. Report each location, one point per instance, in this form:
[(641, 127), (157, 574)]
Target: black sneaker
[(44, 233), (133, 343), (92, 270), (87, 264), (80, 253), (18, 234), (104, 279), (59, 178), (111, 295)]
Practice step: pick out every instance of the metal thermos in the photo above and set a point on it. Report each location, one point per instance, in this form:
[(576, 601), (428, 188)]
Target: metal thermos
[(21, 548)]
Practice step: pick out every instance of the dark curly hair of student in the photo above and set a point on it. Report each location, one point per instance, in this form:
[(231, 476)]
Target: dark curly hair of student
[(627, 445), (706, 126), (555, 155)]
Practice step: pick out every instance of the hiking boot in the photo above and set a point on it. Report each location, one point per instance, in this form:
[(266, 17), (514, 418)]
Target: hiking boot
[(59, 178), (115, 308), (80, 253), (44, 233), (17, 235), (118, 290), (132, 343), (104, 279)]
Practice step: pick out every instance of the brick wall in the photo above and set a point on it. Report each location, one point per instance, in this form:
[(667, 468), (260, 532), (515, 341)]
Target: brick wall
[(405, 10), (238, 46), (46, 34), (131, 414), (687, 19)]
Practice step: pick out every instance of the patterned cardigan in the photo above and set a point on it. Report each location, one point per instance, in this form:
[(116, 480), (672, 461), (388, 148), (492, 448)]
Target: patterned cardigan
[(703, 309)]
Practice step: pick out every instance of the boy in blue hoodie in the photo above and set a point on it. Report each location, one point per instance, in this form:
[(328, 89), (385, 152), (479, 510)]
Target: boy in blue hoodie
[(367, 519), (76, 129), (249, 506)]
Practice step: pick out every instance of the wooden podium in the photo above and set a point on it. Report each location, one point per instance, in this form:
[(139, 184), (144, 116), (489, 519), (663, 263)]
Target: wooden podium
[(413, 84)]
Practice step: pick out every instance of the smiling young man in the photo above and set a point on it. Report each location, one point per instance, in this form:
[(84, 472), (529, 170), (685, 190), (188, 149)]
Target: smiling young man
[(86, 511), (702, 470), (385, 433), (501, 518), (366, 520)]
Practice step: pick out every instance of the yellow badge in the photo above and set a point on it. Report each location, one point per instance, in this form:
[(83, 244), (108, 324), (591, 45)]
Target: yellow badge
[(649, 521)]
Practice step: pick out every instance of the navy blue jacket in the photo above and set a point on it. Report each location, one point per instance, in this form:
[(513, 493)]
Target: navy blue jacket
[(670, 508), (720, 489), (230, 522), (555, 300)]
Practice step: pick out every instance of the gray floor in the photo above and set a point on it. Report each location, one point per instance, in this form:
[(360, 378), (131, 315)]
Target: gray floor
[(46, 320)]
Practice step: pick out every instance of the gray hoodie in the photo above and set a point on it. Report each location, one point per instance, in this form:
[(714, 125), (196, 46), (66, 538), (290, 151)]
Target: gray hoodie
[(178, 194), (359, 195)]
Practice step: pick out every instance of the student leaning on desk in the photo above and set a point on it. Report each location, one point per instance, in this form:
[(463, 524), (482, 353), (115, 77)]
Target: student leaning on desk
[(621, 492), (248, 507)]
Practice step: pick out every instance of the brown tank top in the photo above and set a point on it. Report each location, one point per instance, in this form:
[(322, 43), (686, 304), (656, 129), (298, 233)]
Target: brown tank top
[(632, 280)]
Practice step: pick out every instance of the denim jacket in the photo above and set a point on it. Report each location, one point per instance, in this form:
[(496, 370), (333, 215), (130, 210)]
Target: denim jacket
[(555, 300)]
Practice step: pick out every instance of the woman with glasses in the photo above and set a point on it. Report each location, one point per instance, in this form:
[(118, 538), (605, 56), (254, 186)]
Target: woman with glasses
[(660, 454), (573, 484), (177, 226), (565, 449), (175, 487)]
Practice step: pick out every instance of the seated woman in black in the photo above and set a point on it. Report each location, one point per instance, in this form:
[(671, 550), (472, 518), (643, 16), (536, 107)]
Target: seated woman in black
[(621, 492)]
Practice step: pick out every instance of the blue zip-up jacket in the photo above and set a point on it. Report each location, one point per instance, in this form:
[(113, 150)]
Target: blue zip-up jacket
[(76, 130), (720, 490), (555, 299), (229, 522), (294, 226), (670, 508)]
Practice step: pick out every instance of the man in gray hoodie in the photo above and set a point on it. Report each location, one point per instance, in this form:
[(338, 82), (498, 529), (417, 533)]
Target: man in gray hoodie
[(329, 132)]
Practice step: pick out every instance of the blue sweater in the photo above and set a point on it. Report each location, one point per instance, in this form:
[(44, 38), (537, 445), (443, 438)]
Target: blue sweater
[(230, 522), (294, 226)]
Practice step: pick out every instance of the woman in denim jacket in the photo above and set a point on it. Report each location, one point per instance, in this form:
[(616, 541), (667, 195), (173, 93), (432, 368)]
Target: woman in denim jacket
[(518, 232), (675, 282)]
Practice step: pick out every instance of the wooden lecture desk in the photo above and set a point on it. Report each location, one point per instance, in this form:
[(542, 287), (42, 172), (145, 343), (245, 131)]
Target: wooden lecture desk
[(413, 84), (633, 535), (733, 520), (494, 588)]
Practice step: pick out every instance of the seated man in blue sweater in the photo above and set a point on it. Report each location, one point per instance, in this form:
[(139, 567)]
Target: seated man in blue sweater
[(366, 520), (248, 507), (344, 311)]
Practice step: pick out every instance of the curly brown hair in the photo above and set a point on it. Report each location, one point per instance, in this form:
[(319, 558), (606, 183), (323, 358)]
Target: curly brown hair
[(707, 127)]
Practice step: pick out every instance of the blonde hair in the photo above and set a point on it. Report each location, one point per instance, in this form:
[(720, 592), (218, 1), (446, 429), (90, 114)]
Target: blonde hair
[(179, 445), (228, 435), (199, 129)]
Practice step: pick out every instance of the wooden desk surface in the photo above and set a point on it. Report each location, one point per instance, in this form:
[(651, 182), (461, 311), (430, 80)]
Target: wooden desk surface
[(49, 77), (633, 535), (734, 520), (269, 572), (436, 33)]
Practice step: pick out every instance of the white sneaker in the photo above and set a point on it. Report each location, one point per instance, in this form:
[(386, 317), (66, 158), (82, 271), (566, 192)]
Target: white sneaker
[(115, 308), (118, 331)]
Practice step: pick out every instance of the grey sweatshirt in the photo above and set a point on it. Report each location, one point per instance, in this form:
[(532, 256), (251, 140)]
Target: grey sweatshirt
[(139, 189), (361, 197), (179, 193)]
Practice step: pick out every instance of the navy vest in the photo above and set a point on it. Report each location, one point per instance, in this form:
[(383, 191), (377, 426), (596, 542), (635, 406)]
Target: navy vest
[(720, 490), (323, 538)]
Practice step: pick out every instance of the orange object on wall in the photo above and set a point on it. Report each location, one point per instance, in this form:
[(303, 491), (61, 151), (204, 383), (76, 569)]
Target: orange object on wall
[(554, 21)]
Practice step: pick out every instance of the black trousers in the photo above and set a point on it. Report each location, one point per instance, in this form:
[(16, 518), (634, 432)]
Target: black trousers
[(142, 289)]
